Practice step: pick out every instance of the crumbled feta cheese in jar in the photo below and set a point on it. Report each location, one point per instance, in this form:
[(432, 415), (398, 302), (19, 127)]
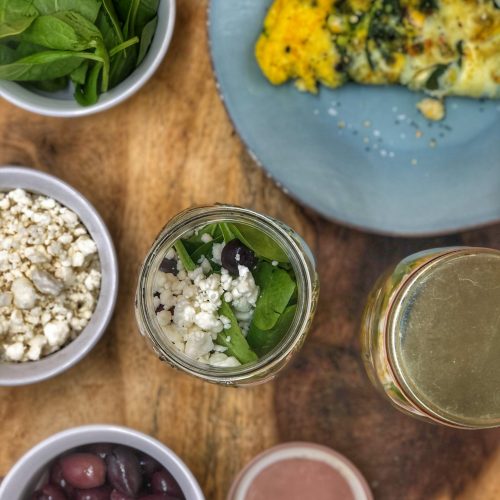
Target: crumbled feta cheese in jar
[(214, 295), (221, 360), (187, 306), (217, 252), (50, 276)]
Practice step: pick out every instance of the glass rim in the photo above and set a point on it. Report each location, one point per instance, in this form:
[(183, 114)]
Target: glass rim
[(393, 353), (188, 220)]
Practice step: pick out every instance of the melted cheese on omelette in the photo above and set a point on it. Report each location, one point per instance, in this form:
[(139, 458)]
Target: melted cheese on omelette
[(444, 47)]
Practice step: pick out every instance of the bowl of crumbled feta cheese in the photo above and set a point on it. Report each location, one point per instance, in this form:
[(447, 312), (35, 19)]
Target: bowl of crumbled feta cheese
[(58, 276), (227, 294)]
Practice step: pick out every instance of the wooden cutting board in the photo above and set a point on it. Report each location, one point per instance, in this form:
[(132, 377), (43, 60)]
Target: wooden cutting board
[(172, 146)]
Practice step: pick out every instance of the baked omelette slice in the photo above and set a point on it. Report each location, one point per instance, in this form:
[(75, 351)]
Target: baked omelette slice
[(442, 47)]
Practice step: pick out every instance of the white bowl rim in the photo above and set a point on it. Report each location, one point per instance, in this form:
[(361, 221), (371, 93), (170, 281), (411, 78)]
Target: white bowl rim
[(46, 106), (22, 177), (56, 444)]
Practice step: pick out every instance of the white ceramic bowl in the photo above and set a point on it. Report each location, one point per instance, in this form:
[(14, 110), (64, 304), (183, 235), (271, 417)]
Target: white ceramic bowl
[(26, 474), (64, 105), (12, 374)]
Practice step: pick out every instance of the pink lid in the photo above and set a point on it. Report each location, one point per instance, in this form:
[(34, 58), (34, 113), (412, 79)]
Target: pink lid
[(294, 471)]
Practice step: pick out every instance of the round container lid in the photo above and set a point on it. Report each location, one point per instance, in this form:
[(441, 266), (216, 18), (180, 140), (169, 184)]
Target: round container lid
[(295, 471), (444, 338)]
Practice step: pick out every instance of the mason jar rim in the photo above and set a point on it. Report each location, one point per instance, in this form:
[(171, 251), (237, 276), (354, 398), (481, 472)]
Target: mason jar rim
[(189, 220), (390, 344)]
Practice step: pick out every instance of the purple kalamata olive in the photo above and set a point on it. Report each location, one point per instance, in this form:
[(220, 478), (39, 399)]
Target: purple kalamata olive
[(56, 477), (235, 254), (101, 493), (117, 495), (83, 470), (169, 266), (49, 492), (148, 464), (124, 470), (100, 449), (163, 482), (159, 496)]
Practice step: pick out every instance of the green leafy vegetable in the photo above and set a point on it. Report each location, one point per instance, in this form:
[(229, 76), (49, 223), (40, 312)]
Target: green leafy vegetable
[(93, 29), (123, 46), (102, 52), (64, 30), (87, 93), (433, 80), (233, 338), (136, 14), (16, 16), (67, 30), (105, 26), (277, 288), (109, 8), (25, 49), (131, 17), (122, 66), (264, 341), (79, 75), (87, 8), (146, 12), (263, 274), (262, 244), (7, 55), (227, 232), (196, 238), (205, 249), (51, 85), (146, 38), (44, 65), (186, 260)]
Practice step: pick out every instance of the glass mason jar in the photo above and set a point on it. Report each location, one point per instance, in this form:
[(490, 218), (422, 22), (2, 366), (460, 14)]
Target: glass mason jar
[(430, 336), (302, 263)]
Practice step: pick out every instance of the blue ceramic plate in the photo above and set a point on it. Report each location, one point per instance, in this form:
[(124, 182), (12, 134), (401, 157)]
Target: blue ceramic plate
[(363, 156)]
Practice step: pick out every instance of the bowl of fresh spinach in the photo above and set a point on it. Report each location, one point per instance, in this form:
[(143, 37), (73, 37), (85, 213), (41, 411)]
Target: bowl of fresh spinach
[(71, 58)]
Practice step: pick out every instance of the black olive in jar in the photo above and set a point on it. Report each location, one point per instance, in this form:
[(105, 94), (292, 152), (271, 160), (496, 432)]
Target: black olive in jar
[(235, 254)]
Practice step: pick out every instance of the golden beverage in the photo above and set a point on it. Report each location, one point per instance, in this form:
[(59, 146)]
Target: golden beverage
[(431, 336)]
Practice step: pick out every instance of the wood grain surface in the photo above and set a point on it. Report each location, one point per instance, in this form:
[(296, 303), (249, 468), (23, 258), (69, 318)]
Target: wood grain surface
[(172, 146)]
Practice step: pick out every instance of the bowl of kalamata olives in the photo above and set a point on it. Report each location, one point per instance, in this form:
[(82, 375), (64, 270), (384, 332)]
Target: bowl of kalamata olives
[(100, 462)]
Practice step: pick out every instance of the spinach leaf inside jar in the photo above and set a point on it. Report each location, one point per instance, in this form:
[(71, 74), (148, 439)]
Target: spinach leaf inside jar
[(225, 295), (90, 45)]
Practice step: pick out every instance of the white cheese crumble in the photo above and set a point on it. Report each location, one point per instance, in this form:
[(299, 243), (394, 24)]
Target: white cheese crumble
[(217, 252), (49, 276), (187, 306)]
